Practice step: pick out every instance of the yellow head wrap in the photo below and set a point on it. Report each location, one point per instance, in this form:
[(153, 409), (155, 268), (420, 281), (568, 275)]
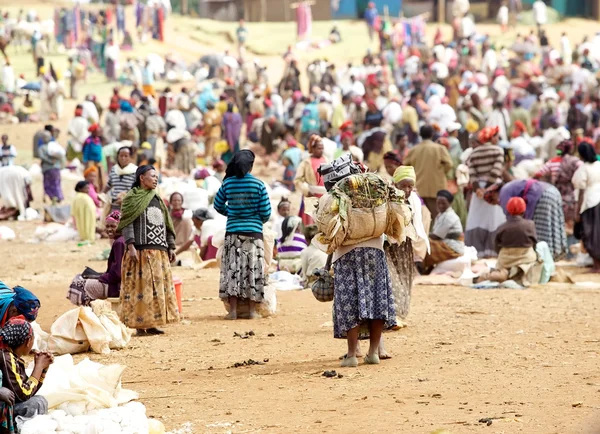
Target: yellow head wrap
[(472, 126), (405, 172)]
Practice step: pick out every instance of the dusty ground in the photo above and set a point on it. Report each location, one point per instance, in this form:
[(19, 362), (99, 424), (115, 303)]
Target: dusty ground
[(528, 358)]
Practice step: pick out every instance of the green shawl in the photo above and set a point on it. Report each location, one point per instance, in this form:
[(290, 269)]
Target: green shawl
[(136, 202)]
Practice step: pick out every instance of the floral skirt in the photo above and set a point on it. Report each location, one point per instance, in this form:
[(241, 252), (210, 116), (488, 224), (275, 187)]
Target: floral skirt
[(147, 292), (242, 268), (363, 291)]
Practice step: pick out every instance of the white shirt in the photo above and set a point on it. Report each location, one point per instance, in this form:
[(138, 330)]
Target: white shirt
[(587, 178), (358, 88), (565, 50), (467, 26), (392, 113), (440, 70), (90, 111), (176, 118), (503, 15), (540, 12), (489, 62), (8, 78)]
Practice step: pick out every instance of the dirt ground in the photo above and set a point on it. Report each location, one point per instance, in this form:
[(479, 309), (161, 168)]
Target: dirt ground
[(525, 360)]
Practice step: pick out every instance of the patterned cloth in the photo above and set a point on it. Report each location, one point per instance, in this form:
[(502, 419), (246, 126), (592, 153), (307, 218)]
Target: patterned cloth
[(83, 291), (147, 292), (52, 187), (15, 332), (363, 291), (400, 261), (242, 268), (591, 231), (550, 221)]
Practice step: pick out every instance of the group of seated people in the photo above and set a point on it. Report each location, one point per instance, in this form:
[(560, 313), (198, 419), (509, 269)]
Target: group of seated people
[(18, 308)]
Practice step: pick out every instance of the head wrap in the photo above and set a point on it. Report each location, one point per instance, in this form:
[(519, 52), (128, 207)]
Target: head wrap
[(139, 172), (587, 152), (218, 163), (516, 206), (93, 128), (392, 156), (487, 133), (26, 303), (202, 214), (472, 126), (202, 174), (565, 147), (405, 172), (90, 170), (15, 332), (125, 106), (114, 216), (114, 106), (446, 194), (519, 129), (289, 227), (240, 164), (81, 185)]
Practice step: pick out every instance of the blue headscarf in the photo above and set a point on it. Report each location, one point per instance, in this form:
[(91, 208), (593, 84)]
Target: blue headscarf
[(25, 302), (125, 106)]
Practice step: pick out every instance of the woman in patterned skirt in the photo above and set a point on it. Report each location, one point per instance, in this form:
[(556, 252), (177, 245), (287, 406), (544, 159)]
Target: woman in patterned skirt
[(244, 200), (147, 292)]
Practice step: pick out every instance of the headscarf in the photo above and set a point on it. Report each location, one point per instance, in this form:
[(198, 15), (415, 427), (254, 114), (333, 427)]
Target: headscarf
[(472, 126), (93, 128), (565, 147), (80, 186), (24, 301), (114, 216), (516, 206), (125, 106), (240, 164), (405, 172), (294, 155), (15, 332), (487, 133), (347, 135), (289, 227), (519, 129), (446, 194), (587, 152), (90, 170), (392, 156)]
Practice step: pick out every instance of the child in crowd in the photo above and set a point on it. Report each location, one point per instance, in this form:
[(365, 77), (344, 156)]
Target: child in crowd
[(283, 211), (9, 152), (311, 258)]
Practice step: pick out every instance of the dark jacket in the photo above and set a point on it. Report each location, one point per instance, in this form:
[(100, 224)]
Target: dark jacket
[(516, 232)]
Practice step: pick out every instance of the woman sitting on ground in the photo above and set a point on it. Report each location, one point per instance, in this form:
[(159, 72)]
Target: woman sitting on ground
[(200, 237), (290, 245), (311, 258), (446, 239), (89, 285), (17, 302), (16, 340), (83, 212), (515, 244), (184, 229)]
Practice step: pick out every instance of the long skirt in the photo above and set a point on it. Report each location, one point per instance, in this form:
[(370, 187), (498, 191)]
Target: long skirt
[(549, 222), (400, 262), (83, 291), (363, 291), (242, 268), (147, 292), (482, 222), (52, 187), (110, 69), (591, 231)]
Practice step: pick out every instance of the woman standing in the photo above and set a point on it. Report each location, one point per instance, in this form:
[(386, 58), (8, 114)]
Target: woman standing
[(486, 164), (121, 177), (51, 167), (232, 127), (243, 199), (560, 171), (587, 181), (147, 292), (308, 180)]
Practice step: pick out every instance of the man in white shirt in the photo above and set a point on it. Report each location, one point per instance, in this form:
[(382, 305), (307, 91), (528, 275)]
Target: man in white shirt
[(392, 113), (540, 13)]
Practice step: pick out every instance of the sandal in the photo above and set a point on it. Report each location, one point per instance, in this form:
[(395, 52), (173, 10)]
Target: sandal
[(372, 359), (349, 362)]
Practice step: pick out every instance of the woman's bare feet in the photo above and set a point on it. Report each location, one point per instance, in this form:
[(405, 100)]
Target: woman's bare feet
[(231, 316), (254, 315)]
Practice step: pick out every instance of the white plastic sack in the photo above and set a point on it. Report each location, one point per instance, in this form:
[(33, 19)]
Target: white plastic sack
[(30, 214), (67, 335), (459, 264), (54, 232), (7, 233), (119, 334), (40, 342), (55, 150)]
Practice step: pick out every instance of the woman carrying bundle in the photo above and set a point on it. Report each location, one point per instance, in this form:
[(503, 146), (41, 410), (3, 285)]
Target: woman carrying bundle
[(147, 292)]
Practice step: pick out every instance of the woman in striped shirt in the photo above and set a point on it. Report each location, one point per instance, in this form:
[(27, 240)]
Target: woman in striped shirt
[(243, 199), (121, 177)]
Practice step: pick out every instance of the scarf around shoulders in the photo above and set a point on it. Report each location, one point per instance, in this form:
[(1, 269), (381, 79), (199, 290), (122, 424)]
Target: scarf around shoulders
[(127, 170), (136, 202)]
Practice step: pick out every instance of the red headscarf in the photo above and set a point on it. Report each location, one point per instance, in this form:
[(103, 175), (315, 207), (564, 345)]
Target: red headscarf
[(347, 135), (516, 206), (519, 129), (487, 133), (93, 128)]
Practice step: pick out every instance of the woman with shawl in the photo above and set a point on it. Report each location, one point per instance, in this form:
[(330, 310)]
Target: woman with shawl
[(232, 128), (486, 164), (243, 199), (587, 181), (83, 212), (90, 286), (559, 171), (17, 301), (147, 291), (308, 180), (291, 245), (183, 226)]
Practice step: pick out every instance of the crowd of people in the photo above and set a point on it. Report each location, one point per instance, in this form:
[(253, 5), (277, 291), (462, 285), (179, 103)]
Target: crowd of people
[(492, 150)]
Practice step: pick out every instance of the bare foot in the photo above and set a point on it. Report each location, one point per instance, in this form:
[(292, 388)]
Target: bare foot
[(384, 355), (254, 315), (231, 316)]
